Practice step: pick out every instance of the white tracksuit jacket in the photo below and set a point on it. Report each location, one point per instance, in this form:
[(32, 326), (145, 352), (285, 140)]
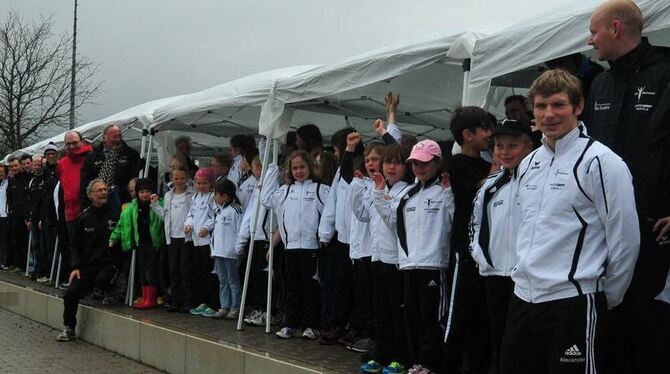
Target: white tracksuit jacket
[(298, 207), (201, 214), (494, 226), (579, 231), (227, 221), (337, 212), (360, 240), (422, 217), (235, 172), (263, 229), (245, 190), (384, 243), (164, 213)]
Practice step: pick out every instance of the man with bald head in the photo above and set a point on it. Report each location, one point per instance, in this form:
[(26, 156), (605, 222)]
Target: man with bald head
[(112, 161), (629, 111)]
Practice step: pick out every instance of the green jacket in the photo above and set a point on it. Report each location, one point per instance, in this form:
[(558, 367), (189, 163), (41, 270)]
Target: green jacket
[(126, 229)]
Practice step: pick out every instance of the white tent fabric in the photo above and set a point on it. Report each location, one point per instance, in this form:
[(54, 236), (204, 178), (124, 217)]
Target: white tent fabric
[(224, 110), (355, 87), (547, 36), (132, 121)]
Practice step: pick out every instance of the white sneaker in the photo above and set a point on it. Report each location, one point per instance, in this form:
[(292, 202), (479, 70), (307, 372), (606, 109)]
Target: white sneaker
[(311, 334), (257, 320), (288, 333), (251, 317)]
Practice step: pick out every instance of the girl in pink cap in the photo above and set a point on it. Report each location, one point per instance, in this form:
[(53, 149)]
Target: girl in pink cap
[(421, 215)]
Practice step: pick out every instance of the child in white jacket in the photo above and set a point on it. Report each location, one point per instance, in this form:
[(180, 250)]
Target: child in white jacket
[(227, 220), (298, 205), (199, 223), (176, 205)]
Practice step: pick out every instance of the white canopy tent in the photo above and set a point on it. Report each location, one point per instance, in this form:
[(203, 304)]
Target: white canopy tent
[(132, 122), (555, 33)]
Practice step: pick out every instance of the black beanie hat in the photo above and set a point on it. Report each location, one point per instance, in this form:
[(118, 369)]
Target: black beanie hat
[(144, 184)]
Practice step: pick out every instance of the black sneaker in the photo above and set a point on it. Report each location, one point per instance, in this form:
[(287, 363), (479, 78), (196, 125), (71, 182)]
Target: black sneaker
[(349, 338), (331, 337), (67, 335)]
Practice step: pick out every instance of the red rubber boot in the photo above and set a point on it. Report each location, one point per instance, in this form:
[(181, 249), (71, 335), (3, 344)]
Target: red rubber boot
[(150, 298), (142, 300)]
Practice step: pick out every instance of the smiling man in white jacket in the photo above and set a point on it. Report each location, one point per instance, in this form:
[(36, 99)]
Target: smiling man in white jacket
[(578, 239)]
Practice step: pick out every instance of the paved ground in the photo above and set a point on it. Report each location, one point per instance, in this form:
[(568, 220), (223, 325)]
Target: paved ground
[(335, 358), (29, 347)]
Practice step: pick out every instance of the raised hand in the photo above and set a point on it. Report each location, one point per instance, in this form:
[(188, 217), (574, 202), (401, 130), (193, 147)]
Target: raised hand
[(391, 106), (379, 180), (352, 141), (358, 174), (662, 226), (380, 127), (445, 182), (203, 232), (153, 198)]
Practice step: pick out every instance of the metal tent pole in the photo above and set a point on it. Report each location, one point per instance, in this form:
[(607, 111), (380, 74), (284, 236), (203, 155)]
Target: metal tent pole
[(240, 318), (53, 261), (268, 307), (30, 244)]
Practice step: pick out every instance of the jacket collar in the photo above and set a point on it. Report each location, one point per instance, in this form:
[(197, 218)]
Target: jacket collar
[(639, 58), (567, 141), (430, 181)]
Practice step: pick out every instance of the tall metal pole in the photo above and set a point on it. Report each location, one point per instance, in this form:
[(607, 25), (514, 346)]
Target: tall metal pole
[(74, 66)]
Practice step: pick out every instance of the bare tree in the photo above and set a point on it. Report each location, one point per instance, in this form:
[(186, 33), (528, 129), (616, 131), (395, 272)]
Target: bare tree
[(35, 72)]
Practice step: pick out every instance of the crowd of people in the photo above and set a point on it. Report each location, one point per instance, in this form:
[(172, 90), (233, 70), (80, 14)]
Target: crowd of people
[(541, 247)]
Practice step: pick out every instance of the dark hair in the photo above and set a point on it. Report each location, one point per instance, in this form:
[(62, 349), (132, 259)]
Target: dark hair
[(243, 142), (469, 118), (291, 137), (249, 155), (311, 135), (520, 98), (12, 159), (339, 141), (395, 154), (224, 160), (327, 167), (226, 187), (26, 156)]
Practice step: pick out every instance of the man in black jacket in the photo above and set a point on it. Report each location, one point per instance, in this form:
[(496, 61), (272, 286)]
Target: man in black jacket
[(112, 161), (48, 215), (93, 262), (629, 111), (18, 208), (36, 196)]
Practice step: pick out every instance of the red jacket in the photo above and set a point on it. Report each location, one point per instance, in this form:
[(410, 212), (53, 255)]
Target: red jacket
[(69, 173)]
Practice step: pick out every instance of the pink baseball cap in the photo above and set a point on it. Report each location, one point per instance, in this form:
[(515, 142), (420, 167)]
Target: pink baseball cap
[(425, 151)]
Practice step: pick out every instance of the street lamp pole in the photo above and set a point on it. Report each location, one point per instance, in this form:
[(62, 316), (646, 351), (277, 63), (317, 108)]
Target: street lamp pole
[(74, 65)]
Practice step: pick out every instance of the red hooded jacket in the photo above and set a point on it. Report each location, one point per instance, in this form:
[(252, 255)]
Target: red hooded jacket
[(69, 173)]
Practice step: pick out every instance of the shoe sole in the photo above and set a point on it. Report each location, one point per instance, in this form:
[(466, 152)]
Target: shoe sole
[(358, 350)]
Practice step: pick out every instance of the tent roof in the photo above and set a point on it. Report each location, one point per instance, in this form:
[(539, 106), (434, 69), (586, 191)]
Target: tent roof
[(555, 33)]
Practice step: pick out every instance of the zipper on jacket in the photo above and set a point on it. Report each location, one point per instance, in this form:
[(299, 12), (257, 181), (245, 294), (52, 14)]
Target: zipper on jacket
[(532, 235)]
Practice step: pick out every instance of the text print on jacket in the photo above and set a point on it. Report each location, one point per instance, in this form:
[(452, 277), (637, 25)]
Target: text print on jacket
[(579, 231), (201, 214), (298, 207), (494, 226), (227, 221), (422, 216)]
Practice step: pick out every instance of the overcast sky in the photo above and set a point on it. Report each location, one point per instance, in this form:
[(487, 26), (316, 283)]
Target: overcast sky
[(150, 49)]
